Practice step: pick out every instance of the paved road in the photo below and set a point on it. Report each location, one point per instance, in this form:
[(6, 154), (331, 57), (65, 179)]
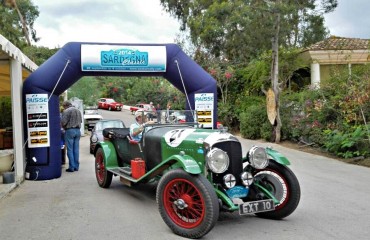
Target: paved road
[(334, 205)]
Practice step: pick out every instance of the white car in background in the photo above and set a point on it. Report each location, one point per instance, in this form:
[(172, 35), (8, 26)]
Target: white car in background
[(91, 116)]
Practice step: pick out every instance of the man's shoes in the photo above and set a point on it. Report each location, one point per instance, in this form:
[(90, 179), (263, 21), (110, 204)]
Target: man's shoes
[(69, 170), (76, 169)]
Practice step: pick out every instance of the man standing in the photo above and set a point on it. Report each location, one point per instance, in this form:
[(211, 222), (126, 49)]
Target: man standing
[(71, 122), (159, 113), (168, 113), (152, 111)]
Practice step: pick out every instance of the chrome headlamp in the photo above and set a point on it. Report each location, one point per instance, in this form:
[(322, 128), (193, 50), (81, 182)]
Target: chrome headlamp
[(217, 160), (229, 181), (247, 178), (258, 157), (94, 138)]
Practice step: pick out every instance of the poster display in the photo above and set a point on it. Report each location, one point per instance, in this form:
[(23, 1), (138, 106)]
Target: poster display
[(123, 58), (204, 105), (38, 120)]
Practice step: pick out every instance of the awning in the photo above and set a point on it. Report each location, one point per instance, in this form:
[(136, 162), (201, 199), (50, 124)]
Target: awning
[(15, 67), (7, 52)]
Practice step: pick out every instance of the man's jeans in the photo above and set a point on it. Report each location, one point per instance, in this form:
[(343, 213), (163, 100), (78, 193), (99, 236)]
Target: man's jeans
[(72, 139)]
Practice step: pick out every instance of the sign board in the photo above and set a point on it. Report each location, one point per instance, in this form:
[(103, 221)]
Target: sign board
[(123, 58), (271, 106), (204, 105), (37, 107)]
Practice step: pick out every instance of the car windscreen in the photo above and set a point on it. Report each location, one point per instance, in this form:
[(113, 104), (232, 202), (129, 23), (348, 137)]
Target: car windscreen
[(108, 124)]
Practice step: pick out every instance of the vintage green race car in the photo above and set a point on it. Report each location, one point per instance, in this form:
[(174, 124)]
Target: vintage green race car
[(200, 172)]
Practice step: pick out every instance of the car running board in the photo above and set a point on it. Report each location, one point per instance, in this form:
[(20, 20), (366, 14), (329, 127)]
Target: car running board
[(125, 175)]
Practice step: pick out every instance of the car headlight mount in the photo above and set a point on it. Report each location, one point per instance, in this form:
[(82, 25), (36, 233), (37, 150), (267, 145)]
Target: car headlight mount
[(258, 157), (217, 160), (94, 138)]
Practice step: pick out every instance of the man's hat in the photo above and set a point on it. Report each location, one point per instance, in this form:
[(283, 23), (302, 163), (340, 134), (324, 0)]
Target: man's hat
[(138, 113)]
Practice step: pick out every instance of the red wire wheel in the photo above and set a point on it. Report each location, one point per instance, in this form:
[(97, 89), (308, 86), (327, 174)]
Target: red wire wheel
[(187, 203), (103, 177), (184, 203)]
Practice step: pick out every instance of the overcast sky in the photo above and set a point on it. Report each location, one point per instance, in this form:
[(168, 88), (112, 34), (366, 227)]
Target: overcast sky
[(107, 21), (144, 21)]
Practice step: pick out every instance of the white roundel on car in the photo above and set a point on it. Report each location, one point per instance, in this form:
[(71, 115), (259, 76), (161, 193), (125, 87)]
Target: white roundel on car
[(175, 137)]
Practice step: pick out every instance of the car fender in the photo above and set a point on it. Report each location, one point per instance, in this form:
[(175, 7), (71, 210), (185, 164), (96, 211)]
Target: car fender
[(110, 155), (185, 162), (277, 157)]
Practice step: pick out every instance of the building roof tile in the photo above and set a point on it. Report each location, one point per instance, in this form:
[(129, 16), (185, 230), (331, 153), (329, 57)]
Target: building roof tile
[(341, 43)]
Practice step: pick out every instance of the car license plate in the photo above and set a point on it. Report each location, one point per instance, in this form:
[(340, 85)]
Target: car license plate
[(256, 206)]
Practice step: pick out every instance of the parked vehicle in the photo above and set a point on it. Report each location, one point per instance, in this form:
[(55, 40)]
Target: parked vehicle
[(109, 104), (91, 116), (149, 110), (97, 131), (200, 172)]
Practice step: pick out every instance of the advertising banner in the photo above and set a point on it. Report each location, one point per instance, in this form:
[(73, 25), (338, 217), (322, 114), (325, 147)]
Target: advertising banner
[(123, 58), (204, 107), (38, 120)]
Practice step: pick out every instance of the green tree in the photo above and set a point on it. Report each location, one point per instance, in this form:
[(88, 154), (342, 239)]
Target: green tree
[(240, 30), (128, 90), (17, 20), (156, 90), (86, 90), (6, 111), (38, 54)]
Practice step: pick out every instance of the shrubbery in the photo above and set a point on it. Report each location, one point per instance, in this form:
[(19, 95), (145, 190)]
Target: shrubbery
[(335, 117), (251, 121), (6, 112), (348, 144)]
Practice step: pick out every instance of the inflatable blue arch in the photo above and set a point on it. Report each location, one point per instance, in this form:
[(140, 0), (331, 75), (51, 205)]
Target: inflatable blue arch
[(76, 60)]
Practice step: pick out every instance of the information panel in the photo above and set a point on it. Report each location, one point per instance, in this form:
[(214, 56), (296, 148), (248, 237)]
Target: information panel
[(204, 107), (123, 58), (38, 120)]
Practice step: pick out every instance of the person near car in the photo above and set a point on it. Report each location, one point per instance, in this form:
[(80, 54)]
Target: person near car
[(151, 114), (168, 113), (137, 128), (158, 110), (71, 122)]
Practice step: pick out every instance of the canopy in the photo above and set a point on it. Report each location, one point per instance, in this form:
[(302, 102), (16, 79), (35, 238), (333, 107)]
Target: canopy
[(8, 52), (14, 68)]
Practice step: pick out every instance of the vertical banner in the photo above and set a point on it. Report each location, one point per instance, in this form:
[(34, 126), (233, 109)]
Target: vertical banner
[(38, 120), (204, 107)]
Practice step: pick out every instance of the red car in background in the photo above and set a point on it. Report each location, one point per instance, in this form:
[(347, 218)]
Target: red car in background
[(109, 104), (145, 107)]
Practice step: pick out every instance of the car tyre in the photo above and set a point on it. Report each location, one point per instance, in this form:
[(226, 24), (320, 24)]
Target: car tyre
[(283, 184), (110, 108), (103, 176), (187, 203)]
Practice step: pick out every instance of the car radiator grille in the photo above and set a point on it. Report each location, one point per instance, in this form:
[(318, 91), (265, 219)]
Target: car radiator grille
[(234, 151)]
